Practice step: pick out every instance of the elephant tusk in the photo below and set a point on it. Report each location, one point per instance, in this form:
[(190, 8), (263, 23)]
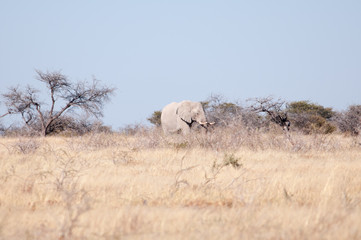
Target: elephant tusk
[(202, 123), (211, 123)]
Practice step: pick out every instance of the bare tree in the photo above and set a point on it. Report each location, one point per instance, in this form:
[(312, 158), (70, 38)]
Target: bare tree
[(350, 120), (87, 97), (221, 111), (274, 109)]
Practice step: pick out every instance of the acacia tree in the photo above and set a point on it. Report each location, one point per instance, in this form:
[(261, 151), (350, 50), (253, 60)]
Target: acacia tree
[(274, 109), (88, 97), (310, 118)]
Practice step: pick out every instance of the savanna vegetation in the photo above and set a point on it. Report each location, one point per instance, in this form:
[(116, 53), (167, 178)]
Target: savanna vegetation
[(220, 185), (267, 169)]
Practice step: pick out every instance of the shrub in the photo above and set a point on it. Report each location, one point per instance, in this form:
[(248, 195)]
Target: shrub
[(305, 107), (231, 159), (65, 125), (25, 146), (155, 118), (350, 120), (311, 118), (220, 111)]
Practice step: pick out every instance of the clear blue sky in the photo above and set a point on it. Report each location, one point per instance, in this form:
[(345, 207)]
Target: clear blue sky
[(156, 52)]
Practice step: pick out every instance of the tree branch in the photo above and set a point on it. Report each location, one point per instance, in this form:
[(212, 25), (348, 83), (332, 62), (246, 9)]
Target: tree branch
[(89, 98), (273, 109)]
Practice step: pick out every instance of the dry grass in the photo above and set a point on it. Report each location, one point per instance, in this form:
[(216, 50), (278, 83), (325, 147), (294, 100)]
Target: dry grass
[(205, 187)]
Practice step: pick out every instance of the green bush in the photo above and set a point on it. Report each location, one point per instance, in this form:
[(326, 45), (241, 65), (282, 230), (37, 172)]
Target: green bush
[(302, 107), (155, 118), (310, 117)]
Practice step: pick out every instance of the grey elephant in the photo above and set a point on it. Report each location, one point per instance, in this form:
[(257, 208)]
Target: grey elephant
[(179, 117)]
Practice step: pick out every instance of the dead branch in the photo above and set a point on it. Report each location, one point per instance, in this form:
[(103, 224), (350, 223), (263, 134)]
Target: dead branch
[(274, 109)]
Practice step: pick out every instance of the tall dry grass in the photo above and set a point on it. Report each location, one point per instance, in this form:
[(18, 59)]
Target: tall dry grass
[(222, 185)]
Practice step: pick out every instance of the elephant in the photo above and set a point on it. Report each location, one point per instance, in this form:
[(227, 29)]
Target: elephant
[(179, 116)]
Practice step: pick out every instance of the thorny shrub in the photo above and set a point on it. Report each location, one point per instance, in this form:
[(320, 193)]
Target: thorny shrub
[(235, 136), (350, 120), (25, 146)]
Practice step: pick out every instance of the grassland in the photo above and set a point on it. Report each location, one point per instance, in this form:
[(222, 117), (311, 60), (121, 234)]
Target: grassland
[(110, 186)]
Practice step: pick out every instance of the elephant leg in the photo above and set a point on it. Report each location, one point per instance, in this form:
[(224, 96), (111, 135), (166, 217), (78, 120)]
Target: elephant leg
[(184, 127), (186, 130)]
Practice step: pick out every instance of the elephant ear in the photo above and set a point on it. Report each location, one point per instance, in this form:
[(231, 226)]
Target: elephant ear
[(184, 112)]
